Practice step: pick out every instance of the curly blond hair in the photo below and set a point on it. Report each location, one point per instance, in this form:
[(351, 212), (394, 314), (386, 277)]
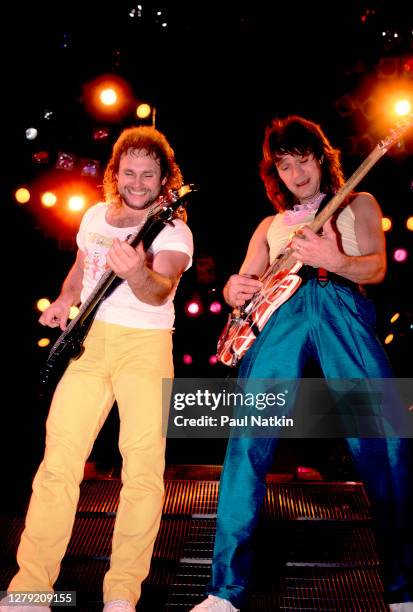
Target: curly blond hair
[(147, 139)]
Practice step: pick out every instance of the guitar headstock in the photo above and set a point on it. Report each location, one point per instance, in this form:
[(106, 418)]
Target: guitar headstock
[(395, 134), (168, 203)]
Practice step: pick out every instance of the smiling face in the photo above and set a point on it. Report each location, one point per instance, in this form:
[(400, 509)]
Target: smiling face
[(139, 179), (301, 174)]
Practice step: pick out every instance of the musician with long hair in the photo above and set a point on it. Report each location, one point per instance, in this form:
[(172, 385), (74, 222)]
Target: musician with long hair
[(127, 353), (328, 320)]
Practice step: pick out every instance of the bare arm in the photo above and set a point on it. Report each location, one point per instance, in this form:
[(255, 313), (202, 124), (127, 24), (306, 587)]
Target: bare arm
[(323, 251), (151, 283), (57, 313), (370, 266), (241, 287)]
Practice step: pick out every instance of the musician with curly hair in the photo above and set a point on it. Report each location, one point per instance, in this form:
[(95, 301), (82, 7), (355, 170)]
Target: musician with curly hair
[(328, 320), (127, 353)]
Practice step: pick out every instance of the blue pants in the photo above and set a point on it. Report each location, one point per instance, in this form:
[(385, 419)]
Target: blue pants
[(335, 326)]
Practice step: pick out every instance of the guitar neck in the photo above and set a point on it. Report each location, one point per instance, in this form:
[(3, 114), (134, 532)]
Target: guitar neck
[(347, 188)]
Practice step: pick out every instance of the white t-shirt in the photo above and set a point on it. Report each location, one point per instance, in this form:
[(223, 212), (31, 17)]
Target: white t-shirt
[(122, 307)]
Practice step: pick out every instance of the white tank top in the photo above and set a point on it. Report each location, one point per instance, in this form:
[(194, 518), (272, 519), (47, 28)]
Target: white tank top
[(286, 223)]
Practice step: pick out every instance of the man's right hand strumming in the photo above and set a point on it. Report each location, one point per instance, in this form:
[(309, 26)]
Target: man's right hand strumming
[(240, 288)]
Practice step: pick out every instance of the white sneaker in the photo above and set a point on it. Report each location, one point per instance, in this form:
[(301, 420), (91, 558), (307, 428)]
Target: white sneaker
[(406, 606), (215, 604), (6, 605), (118, 605)]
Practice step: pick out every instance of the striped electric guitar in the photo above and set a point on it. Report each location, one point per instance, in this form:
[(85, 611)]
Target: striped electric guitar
[(280, 280), (69, 345)]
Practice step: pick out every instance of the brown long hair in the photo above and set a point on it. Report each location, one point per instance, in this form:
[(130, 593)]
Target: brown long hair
[(295, 135), (152, 141)]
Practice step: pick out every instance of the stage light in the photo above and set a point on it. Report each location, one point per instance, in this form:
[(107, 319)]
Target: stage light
[(205, 269), (187, 359), (388, 67), (43, 342), (400, 255), (193, 308), (395, 317), (370, 107), (409, 224), (408, 65), (74, 311), (215, 307), (89, 167), (65, 161), (386, 224), (31, 133), (48, 199), (143, 111), (213, 360), (391, 38), (42, 304), (108, 96), (22, 195), (402, 107), (76, 203), (101, 134), (346, 105), (389, 338), (41, 157), (136, 12)]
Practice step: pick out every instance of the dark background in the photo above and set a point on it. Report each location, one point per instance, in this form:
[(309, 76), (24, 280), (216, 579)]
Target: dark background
[(217, 74)]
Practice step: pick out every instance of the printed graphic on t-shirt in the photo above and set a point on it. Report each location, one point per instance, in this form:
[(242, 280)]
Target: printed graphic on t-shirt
[(96, 249), (99, 239)]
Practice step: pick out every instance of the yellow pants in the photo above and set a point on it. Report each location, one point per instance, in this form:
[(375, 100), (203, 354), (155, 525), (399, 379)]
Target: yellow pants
[(119, 363)]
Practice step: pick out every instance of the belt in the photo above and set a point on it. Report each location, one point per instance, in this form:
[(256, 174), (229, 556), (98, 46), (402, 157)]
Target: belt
[(323, 277)]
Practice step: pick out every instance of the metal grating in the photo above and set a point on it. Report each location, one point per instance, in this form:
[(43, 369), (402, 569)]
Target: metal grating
[(193, 472), (286, 500), (323, 551), (200, 541), (7, 570), (327, 501), (91, 537), (85, 576), (100, 495), (309, 544), (351, 589), (355, 590), (327, 544), (188, 587), (170, 540), (210, 472), (11, 528), (190, 497)]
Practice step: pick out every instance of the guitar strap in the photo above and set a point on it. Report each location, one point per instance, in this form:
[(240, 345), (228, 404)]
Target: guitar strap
[(321, 274)]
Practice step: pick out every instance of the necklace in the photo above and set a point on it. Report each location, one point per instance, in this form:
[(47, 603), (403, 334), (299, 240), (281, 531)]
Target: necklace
[(302, 210)]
